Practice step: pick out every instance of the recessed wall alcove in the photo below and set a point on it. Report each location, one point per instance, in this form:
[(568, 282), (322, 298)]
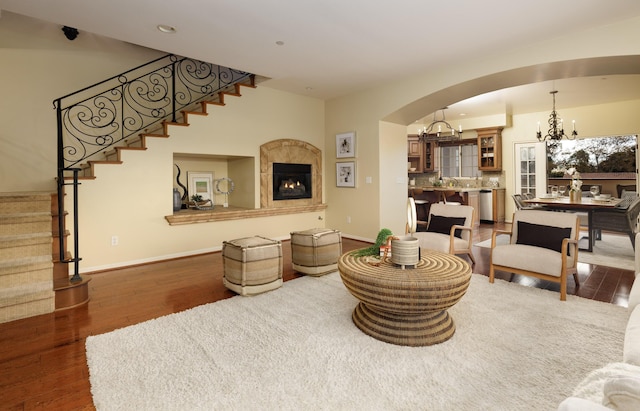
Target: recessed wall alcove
[(276, 151)]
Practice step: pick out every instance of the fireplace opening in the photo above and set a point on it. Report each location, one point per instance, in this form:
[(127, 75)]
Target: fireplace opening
[(291, 181)]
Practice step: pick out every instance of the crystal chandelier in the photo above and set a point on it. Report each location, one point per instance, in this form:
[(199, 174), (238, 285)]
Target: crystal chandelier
[(439, 130), (556, 128)]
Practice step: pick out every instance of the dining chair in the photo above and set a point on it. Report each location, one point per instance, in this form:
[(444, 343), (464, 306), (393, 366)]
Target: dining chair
[(622, 218), (520, 205), (621, 188)]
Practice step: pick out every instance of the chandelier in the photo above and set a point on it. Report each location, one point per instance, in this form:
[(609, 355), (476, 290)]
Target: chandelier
[(556, 128), (439, 130)]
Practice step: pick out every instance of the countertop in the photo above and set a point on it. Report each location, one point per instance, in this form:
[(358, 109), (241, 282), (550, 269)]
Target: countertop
[(456, 189)]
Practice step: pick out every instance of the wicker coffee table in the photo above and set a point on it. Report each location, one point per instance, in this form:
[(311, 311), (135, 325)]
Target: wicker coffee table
[(406, 307)]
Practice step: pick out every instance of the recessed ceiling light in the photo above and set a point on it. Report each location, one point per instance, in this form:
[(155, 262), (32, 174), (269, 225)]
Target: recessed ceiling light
[(165, 28)]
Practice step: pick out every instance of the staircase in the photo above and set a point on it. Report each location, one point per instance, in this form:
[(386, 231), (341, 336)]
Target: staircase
[(26, 266), (34, 271), (138, 142)]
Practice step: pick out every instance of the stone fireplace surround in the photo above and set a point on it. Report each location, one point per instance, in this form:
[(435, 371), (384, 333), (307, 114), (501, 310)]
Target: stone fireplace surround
[(289, 151), (276, 151)]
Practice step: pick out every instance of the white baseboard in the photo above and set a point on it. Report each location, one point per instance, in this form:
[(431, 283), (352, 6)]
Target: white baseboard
[(106, 267), (98, 268)]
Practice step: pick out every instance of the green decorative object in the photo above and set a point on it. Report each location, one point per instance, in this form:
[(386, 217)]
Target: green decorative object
[(374, 249)]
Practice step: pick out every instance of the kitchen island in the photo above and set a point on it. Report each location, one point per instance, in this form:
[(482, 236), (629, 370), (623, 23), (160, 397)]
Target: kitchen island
[(426, 195)]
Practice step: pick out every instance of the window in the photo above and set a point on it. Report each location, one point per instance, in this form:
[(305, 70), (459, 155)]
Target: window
[(459, 160)]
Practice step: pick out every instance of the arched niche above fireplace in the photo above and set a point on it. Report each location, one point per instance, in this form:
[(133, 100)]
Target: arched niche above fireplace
[(289, 151)]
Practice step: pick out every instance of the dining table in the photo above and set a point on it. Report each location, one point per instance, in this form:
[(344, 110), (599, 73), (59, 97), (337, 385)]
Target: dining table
[(584, 204)]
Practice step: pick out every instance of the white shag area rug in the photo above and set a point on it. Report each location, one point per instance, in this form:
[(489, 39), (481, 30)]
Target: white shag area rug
[(612, 251), (296, 348)]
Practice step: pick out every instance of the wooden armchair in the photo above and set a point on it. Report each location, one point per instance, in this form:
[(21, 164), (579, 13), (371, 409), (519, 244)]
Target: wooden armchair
[(542, 244), (449, 229)]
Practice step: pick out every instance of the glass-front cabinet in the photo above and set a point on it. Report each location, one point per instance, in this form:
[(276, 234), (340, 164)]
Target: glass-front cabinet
[(429, 156), (490, 149)]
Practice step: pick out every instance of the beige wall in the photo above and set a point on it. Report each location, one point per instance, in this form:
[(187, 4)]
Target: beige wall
[(404, 101), (37, 65), (130, 201)]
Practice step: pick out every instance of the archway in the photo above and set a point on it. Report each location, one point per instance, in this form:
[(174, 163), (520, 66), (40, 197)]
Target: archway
[(596, 66)]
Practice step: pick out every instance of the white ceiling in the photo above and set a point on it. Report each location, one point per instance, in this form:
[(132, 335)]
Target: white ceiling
[(335, 47)]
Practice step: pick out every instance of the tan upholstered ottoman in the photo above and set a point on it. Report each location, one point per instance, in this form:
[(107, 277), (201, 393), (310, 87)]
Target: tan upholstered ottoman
[(252, 265), (316, 251)]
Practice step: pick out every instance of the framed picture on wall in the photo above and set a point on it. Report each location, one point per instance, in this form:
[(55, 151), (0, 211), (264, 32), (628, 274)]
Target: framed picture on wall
[(201, 183), (346, 145), (346, 174)]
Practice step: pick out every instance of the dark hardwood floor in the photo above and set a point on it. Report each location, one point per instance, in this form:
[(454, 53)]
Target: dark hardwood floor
[(43, 361)]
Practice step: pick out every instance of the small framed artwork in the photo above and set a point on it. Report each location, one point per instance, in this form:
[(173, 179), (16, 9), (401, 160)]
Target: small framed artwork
[(346, 145), (201, 183), (346, 174)]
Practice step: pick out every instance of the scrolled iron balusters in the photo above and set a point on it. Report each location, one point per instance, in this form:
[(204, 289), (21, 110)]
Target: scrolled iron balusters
[(100, 116)]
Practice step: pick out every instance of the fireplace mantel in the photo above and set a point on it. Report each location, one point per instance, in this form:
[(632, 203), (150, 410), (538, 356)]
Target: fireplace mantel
[(235, 213)]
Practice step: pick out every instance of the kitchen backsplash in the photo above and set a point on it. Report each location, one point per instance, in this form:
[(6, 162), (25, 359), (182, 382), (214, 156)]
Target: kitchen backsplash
[(488, 179)]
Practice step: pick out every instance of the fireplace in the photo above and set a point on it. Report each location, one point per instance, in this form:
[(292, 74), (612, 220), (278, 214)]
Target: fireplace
[(288, 151), (291, 181)]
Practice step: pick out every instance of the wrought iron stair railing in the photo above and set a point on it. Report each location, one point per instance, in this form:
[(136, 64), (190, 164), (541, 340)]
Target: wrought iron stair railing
[(97, 118)]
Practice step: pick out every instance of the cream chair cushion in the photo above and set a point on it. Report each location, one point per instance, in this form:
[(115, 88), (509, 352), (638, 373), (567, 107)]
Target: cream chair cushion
[(530, 258), (445, 242), (536, 251)]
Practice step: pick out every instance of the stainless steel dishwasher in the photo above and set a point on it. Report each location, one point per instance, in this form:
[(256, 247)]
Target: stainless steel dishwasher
[(485, 204)]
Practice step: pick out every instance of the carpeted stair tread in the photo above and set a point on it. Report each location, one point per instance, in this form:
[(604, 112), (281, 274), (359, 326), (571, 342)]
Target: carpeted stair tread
[(26, 264), (25, 292), (43, 303), (11, 203), (22, 264)]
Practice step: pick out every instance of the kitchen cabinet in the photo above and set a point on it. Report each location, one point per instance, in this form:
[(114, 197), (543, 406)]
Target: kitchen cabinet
[(414, 147), (429, 156), (499, 195), (415, 157), (490, 149), (420, 154), (472, 198)]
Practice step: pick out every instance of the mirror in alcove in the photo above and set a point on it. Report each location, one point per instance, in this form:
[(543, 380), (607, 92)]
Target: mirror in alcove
[(605, 161)]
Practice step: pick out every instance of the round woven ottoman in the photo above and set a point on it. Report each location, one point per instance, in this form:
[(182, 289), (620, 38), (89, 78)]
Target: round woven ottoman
[(406, 307), (316, 251)]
